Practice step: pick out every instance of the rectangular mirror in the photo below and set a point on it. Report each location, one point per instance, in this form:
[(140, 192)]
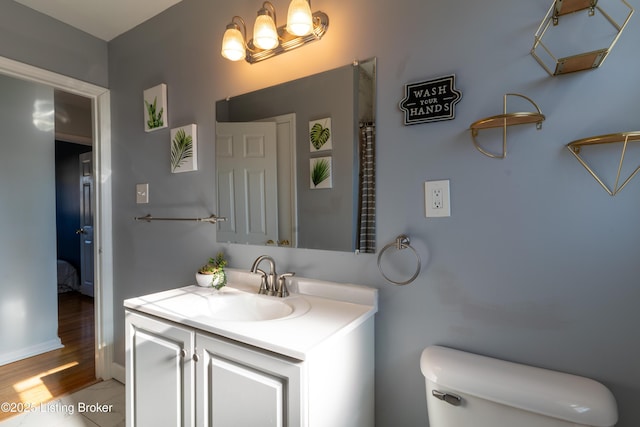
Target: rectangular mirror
[(295, 162)]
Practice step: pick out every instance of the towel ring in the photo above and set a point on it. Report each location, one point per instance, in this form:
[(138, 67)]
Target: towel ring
[(402, 242)]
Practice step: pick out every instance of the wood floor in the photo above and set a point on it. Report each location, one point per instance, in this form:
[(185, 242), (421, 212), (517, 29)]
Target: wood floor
[(46, 376)]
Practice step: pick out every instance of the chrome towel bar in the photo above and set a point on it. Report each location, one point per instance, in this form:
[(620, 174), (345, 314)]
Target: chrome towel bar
[(211, 219)]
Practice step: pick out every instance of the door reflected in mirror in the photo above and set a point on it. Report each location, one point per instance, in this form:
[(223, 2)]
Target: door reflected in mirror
[(295, 163)]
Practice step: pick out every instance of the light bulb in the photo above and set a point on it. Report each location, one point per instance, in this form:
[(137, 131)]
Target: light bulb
[(299, 19), (233, 44), (265, 35)]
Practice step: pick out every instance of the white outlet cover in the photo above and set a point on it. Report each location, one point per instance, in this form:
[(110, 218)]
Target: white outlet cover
[(437, 202)]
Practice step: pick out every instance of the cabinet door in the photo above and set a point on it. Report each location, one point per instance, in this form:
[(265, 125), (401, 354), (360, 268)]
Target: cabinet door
[(159, 373), (240, 386)]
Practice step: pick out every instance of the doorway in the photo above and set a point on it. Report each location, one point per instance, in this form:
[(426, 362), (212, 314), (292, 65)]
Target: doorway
[(74, 192), (64, 305), (100, 123)]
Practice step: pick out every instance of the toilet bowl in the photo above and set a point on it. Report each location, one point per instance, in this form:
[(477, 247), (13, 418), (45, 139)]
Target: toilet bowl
[(469, 390)]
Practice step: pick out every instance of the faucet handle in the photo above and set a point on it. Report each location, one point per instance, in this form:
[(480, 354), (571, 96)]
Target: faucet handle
[(282, 290), (263, 282)]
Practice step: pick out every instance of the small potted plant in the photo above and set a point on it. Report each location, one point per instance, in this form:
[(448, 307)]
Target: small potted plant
[(212, 273)]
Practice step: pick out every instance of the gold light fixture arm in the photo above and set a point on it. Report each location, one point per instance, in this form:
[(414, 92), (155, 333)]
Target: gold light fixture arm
[(234, 23)]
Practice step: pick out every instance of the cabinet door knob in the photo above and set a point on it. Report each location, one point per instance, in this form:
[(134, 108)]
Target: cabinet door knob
[(196, 357), (183, 353)]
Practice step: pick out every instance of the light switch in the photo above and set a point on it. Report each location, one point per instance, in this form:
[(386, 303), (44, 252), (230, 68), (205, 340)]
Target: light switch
[(142, 193)]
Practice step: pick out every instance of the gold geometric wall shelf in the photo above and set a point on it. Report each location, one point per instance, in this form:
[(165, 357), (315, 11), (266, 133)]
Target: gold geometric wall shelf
[(624, 138), (580, 61), (505, 120)]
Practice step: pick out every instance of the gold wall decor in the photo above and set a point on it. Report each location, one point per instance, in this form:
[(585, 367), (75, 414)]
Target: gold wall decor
[(584, 60), (505, 120), (625, 138)]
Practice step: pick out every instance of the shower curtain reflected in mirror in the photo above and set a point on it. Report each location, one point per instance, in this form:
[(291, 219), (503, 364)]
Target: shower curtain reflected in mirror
[(367, 189)]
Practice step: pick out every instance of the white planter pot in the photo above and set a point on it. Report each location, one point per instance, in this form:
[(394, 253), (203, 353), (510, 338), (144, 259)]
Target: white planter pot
[(204, 280), (207, 281)]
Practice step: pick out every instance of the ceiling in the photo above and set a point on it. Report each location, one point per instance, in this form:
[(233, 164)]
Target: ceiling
[(104, 19)]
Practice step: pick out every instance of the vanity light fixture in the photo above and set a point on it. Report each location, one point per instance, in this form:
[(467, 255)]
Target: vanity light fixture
[(269, 40), (299, 19), (233, 47), (265, 34)]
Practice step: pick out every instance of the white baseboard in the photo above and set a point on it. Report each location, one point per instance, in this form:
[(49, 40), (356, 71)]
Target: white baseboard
[(34, 350), (118, 372)]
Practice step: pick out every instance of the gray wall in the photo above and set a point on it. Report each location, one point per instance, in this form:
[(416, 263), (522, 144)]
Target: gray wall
[(28, 307), (33, 38), (537, 264)]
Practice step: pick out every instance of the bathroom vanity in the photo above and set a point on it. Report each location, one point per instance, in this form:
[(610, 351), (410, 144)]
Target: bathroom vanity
[(235, 358)]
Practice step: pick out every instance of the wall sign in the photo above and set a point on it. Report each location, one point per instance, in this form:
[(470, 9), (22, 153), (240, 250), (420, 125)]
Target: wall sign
[(430, 101)]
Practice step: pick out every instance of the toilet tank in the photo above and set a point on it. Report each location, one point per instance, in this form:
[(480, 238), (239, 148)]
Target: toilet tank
[(465, 389)]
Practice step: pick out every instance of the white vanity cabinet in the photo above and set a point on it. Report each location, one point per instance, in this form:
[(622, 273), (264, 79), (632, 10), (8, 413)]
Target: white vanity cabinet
[(192, 359), (182, 376), (174, 371)]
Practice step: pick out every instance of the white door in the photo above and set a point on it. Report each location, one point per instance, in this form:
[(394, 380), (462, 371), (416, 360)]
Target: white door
[(246, 163), (86, 224)]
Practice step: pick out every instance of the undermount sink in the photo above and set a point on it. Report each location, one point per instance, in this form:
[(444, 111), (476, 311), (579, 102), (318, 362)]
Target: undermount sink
[(206, 305)]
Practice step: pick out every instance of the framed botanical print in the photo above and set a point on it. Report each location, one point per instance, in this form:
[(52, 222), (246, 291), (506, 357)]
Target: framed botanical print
[(155, 108)]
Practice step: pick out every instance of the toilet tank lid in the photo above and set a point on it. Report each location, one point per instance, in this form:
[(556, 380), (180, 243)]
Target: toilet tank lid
[(555, 394)]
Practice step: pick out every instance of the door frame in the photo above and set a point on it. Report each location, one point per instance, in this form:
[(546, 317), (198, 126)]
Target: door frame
[(103, 245)]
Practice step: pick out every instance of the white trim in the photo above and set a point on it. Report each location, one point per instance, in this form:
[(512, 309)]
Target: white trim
[(103, 239), (33, 350), (103, 256), (119, 373), (286, 152)]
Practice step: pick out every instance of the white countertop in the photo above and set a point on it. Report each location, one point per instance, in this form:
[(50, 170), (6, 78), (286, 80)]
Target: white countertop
[(322, 310)]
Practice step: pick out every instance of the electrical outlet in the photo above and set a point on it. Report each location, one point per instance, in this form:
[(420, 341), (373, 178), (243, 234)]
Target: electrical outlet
[(142, 193), (436, 199)]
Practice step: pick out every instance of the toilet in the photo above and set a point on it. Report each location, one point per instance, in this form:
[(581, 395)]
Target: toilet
[(469, 390)]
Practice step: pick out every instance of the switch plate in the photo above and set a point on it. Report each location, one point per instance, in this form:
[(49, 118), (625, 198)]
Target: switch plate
[(437, 202), (142, 193)]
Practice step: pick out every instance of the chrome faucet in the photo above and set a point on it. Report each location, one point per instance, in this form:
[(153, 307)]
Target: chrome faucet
[(271, 284), (268, 285)]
